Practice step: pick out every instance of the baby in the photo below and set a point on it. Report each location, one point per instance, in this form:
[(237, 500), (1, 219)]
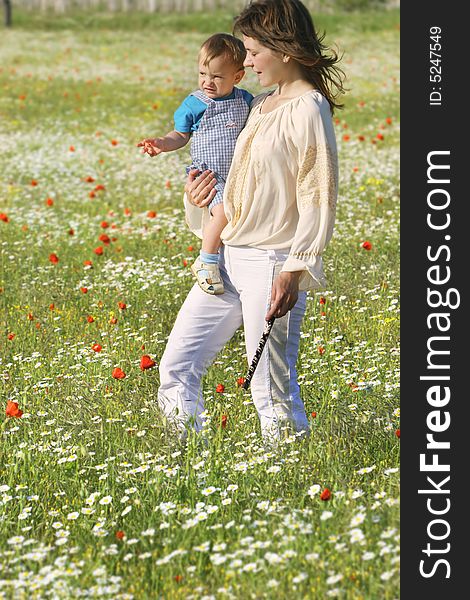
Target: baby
[(212, 117)]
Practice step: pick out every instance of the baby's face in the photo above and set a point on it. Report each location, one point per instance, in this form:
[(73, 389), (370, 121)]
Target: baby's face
[(218, 76)]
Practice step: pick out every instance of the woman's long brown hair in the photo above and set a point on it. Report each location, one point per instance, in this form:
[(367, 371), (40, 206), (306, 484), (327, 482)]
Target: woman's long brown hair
[(286, 26)]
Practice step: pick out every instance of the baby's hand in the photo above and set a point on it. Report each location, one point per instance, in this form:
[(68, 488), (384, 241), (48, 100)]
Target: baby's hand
[(152, 147)]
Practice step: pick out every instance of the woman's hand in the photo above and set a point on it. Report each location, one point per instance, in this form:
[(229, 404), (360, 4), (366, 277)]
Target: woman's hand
[(200, 190), (284, 294)]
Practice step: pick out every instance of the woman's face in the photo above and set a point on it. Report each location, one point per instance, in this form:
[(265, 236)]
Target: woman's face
[(266, 63)]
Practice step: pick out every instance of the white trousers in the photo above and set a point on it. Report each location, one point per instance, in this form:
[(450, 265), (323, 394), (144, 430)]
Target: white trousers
[(205, 323)]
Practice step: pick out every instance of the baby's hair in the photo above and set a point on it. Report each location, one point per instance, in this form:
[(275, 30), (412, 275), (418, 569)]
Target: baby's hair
[(223, 44)]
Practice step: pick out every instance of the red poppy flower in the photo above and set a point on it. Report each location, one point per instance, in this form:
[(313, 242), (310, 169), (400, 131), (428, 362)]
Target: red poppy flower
[(388, 120), (185, 262), (397, 433), (104, 224), (127, 212), (380, 136), (97, 348), (89, 179), (361, 138), (12, 409), (220, 388), (346, 138), (34, 182), (11, 336), (120, 535), (90, 319), (4, 218), (178, 578), (168, 184), (71, 232), (366, 245), (72, 148), (98, 251), (325, 495), (240, 381), (87, 263), (321, 350), (151, 214), (105, 238), (114, 142), (146, 362), (113, 320), (92, 194), (53, 258), (99, 188), (314, 415), (51, 306), (223, 421), (118, 373), (322, 300), (190, 248), (122, 305), (84, 290), (323, 314), (30, 316)]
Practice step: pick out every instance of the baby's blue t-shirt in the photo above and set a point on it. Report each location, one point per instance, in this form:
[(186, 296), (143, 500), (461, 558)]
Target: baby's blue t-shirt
[(189, 114)]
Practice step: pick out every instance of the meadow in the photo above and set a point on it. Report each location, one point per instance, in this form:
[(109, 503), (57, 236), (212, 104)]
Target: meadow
[(96, 500)]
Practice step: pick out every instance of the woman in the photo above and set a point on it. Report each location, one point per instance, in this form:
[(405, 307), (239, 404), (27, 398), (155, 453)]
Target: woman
[(280, 200)]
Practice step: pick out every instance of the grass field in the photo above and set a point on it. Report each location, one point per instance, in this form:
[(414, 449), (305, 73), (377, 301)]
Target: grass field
[(95, 500)]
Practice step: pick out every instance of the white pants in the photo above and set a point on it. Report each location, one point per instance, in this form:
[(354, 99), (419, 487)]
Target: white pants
[(205, 323)]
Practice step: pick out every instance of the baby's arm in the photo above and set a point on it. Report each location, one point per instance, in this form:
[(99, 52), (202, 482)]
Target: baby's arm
[(172, 141)]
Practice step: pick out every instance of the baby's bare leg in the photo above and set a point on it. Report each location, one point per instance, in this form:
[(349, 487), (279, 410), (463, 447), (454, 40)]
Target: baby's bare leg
[(213, 229)]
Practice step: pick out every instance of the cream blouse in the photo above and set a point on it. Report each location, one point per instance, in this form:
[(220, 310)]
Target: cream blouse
[(282, 185)]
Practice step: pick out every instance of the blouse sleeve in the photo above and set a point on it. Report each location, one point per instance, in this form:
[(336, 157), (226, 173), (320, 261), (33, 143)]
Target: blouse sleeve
[(316, 194)]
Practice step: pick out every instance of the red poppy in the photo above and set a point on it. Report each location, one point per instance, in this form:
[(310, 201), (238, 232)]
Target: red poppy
[(397, 433), (97, 348), (118, 373), (380, 136), (151, 214), (50, 202), (190, 248), (223, 421), (4, 218), (90, 319), (220, 388), (321, 350), (322, 300), (366, 245), (89, 179), (12, 409), (168, 184), (361, 138), (127, 212), (114, 142), (185, 262), (98, 251), (122, 305), (146, 362), (99, 188), (92, 194), (240, 381), (53, 258), (178, 578), (325, 495), (388, 120), (346, 138), (113, 320), (34, 182), (314, 415), (120, 535), (71, 232), (105, 238), (72, 148), (11, 336), (84, 290), (87, 263), (51, 306), (323, 314), (104, 224), (30, 316)]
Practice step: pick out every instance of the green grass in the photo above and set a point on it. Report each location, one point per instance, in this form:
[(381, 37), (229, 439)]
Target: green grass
[(68, 90)]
